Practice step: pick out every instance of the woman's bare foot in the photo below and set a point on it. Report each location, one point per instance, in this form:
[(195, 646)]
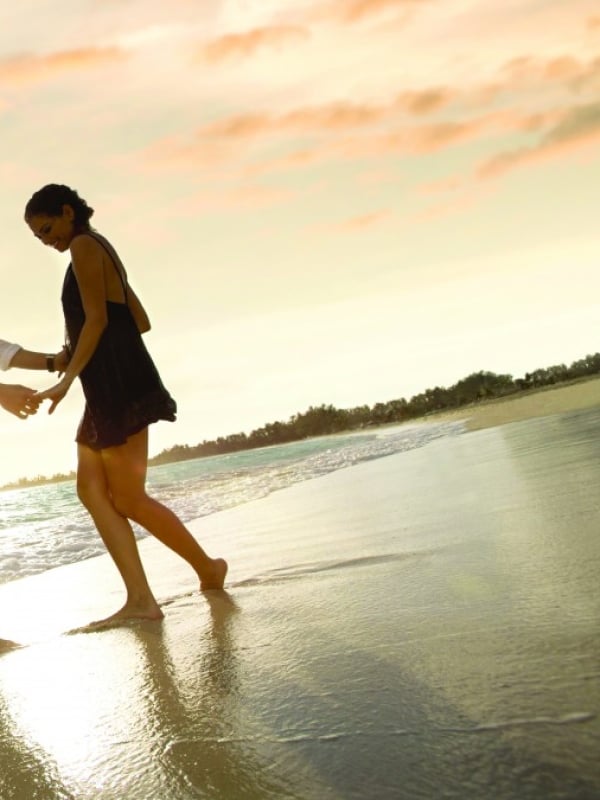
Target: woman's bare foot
[(214, 577), (128, 614)]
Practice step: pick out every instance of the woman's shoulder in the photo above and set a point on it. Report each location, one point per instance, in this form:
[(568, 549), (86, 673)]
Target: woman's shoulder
[(86, 241), (92, 245)]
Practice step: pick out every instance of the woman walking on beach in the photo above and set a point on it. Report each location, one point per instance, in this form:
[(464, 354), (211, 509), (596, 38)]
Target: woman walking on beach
[(104, 320)]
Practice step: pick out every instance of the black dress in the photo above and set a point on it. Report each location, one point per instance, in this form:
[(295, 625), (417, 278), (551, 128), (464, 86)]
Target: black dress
[(122, 387)]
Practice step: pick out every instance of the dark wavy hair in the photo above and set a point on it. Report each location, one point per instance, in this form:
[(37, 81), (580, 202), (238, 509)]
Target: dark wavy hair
[(50, 200)]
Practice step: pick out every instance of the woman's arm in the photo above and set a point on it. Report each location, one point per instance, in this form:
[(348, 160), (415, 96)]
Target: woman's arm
[(87, 261)]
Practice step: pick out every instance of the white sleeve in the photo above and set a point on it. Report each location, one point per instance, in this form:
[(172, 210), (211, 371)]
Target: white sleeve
[(7, 352)]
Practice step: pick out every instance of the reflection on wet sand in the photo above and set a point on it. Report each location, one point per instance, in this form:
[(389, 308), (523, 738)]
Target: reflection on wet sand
[(519, 599), (193, 707), (557, 463), (144, 711), (26, 771)]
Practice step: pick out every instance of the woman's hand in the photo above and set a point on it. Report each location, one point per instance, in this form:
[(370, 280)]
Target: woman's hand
[(55, 393)]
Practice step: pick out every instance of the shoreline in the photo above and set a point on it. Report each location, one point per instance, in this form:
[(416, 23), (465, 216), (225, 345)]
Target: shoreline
[(542, 402)]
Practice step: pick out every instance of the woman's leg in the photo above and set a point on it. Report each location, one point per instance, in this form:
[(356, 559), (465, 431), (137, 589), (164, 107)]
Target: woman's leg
[(125, 467), (117, 535)]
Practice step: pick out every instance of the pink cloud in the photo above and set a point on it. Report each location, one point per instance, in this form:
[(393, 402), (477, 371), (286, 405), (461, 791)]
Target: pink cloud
[(350, 133), (365, 220), (573, 134), (243, 45), (434, 137), (218, 141), (34, 69), (359, 10), (420, 122), (237, 137), (519, 75), (333, 117), (427, 100), (175, 152), (356, 224), (589, 76), (324, 119), (527, 72), (247, 197)]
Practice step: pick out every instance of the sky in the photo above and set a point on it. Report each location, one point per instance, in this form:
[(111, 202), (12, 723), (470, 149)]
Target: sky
[(318, 201)]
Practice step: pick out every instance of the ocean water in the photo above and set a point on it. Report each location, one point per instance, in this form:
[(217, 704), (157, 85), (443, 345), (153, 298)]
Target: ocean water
[(45, 526)]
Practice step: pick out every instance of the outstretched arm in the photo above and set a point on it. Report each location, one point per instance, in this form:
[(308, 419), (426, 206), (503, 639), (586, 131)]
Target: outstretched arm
[(13, 355), (21, 400), (30, 359), (8, 351)]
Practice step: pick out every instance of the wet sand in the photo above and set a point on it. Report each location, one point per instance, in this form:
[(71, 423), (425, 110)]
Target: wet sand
[(423, 625)]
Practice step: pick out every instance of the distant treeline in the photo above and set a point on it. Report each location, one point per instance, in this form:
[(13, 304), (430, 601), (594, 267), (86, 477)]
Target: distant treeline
[(59, 477), (327, 419)]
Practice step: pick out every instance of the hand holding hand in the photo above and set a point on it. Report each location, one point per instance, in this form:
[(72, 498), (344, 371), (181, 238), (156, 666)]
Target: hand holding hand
[(55, 393), (19, 400)]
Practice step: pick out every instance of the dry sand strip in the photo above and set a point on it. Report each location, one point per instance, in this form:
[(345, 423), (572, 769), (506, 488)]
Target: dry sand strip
[(536, 403)]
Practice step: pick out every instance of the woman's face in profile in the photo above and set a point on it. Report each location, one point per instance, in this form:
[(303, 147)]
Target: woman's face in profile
[(53, 231)]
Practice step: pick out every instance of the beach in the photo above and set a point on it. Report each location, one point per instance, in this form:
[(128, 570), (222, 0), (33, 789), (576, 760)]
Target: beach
[(540, 402), (420, 625)]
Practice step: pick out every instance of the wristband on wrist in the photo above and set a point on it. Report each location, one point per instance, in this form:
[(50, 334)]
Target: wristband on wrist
[(50, 364)]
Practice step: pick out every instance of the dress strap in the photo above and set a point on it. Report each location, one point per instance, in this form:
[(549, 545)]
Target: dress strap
[(121, 271)]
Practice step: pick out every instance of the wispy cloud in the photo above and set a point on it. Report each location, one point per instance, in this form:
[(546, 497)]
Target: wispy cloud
[(578, 127), (362, 221), (212, 143), (248, 43), (426, 100), (244, 197), (569, 132), (35, 69), (330, 118), (336, 132), (566, 71), (511, 115), (359, 10)]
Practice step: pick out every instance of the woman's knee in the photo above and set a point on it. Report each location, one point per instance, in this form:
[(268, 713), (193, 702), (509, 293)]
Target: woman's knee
[(82, 492), (89, 491), (127, 503), (91, 483)]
